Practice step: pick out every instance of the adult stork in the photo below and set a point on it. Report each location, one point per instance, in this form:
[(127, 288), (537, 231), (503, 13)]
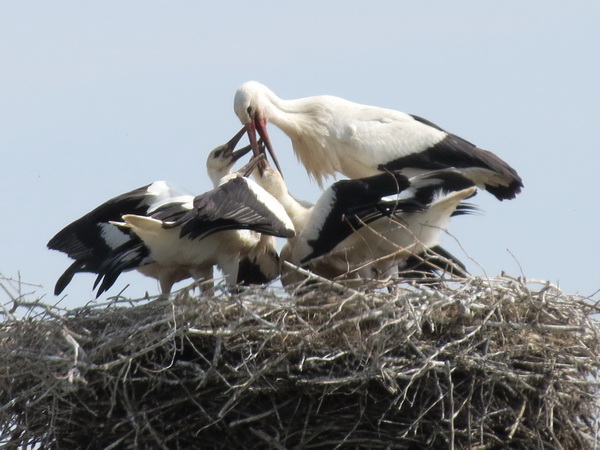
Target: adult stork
[(94, 238), (367, 227), (330, 134), (231, 226)]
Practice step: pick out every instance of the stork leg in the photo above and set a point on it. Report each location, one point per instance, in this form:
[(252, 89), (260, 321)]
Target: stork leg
[(205, 274), (230, 269)]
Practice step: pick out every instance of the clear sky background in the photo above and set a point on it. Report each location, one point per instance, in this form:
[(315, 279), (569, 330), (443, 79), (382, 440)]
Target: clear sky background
[(99, 98)]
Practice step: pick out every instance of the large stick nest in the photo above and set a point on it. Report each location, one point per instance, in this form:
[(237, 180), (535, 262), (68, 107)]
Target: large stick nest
[(481, 363)]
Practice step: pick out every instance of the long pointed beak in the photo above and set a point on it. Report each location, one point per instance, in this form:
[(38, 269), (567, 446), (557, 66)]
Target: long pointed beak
[(241, 152), (233, 142), (248, 168), (260, 126)]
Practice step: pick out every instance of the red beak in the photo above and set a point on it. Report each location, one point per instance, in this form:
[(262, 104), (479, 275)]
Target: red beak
[(260, 126)]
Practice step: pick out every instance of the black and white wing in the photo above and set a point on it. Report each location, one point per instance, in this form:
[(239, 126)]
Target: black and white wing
[(128, 256), (234, 205), (352, 204), (348, 205), (90, 239), (483, 167), (430, 264)]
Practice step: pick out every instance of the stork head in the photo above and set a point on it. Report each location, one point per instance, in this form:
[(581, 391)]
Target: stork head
[(251, 103), (221, 159), (244, 171)]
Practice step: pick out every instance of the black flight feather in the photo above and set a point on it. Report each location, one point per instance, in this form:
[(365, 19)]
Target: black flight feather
[(131, 255), (358, 202), (454, 151), (231, 206)]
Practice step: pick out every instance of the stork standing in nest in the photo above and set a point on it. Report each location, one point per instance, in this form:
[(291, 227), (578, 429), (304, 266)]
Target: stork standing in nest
[(231, 226), (100, 246), (330, 134), (366, 228)]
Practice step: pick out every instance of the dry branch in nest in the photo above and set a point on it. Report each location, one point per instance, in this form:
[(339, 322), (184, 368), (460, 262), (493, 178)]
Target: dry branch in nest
[(479, 363)]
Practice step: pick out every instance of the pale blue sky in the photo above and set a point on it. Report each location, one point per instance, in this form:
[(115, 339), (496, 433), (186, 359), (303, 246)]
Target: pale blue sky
[(99, 98)]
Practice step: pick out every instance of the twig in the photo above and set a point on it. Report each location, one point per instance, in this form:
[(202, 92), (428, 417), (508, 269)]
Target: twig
[(325, 281)]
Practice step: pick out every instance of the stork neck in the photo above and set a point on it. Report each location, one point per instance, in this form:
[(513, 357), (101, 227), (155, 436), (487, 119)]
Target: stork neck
[(284, 114), (294, 209), (215, 178), (217, 171)]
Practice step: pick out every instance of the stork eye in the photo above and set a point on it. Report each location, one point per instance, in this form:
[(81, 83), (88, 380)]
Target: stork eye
[(249, 110), (217, 153)]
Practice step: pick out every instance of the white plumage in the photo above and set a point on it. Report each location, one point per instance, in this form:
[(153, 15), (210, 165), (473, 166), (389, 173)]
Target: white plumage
[(368, 227), (231, 227), (99, 246), (330, 134), (93, 238)]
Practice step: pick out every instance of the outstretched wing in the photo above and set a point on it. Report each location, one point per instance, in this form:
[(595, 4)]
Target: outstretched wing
[(128, 256), (90, 239), (237, 204), (357, 203), (350, 204)]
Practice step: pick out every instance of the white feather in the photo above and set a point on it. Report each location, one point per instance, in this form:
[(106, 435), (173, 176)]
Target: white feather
[(112, 235)]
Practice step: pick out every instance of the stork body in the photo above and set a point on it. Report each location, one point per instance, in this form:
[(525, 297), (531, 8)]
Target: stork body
[(332, 135), (366, 228), (92, 238), (231, 226), (98, 245), (160, 247)]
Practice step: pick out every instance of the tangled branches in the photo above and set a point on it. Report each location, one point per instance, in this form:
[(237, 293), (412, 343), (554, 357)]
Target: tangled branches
[(480, 363)]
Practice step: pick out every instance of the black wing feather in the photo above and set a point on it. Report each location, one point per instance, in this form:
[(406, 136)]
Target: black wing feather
[(456, 152), (250, 271), (231, 206), (357, 203), (83, 237), (128, 256), (431, 261)]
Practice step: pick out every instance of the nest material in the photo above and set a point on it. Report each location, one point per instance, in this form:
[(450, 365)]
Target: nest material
[(475, 364)]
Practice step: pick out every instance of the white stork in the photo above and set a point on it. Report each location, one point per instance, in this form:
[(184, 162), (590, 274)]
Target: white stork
[(231, 226), (330, 134), (94, 239), (366, 228)]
